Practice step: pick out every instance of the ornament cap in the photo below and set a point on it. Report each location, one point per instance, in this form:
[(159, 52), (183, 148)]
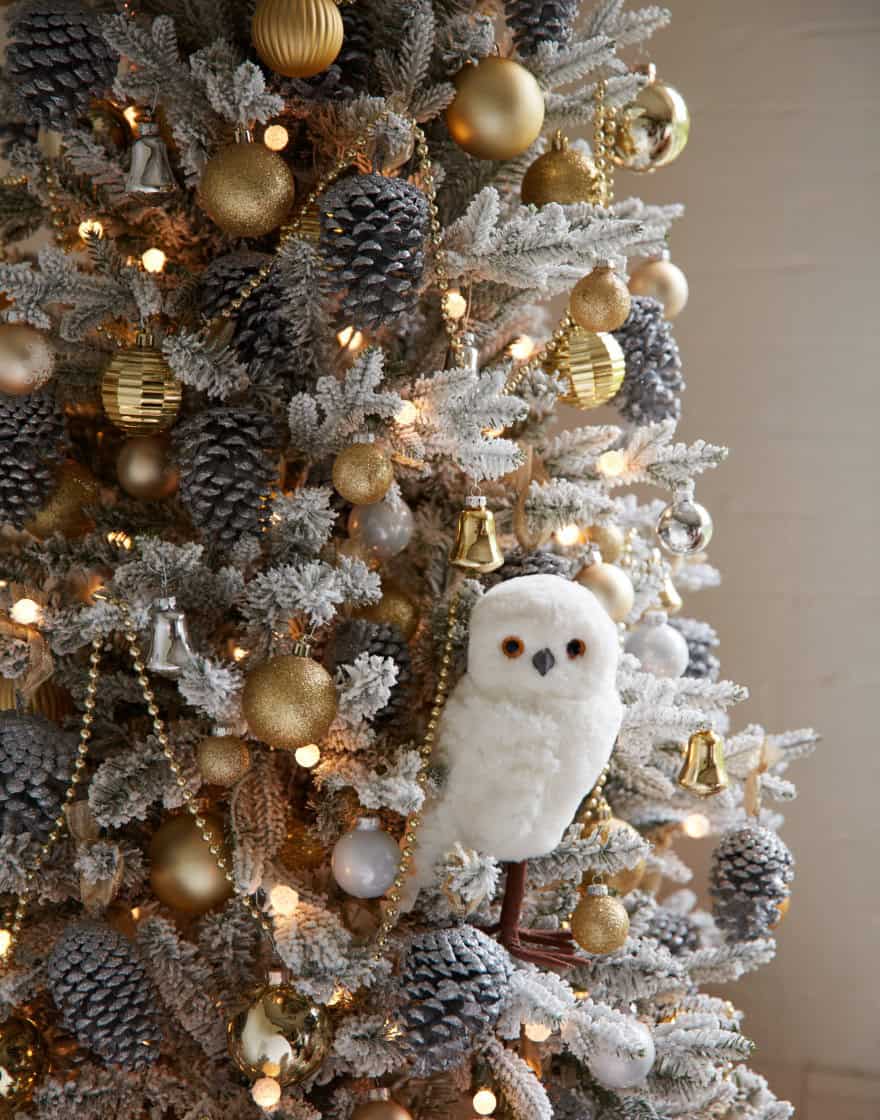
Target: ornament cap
[(559, 143), (598, 890), (368, 824)]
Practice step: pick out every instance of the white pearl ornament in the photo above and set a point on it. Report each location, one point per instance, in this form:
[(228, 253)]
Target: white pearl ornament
[(365, 860), (661, 649), (616, 1071), (383, 529)]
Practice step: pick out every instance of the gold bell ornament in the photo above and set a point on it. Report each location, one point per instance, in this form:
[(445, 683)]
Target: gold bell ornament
[(297, 38), (246, 188), (498, 109), (662, 280), (139, 392), (170, 650), (150, 169), (476, 544), (560, 175), (592, 364), (653, 130), (703, 771)]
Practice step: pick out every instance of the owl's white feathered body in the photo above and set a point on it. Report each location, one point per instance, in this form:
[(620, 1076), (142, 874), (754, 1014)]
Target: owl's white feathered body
[(528, 729)]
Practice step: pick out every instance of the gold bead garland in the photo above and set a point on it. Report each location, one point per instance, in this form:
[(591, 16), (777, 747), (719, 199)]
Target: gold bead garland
[(604, 134)]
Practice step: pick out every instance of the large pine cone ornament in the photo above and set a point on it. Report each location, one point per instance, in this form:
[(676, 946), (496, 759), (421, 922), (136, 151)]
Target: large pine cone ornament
[(750, 876), (653, 381), (228, 460), (453, 983), (32, 435), (379, 639), (58, 61), (373, 232), (534, 22), (99, 985), (36, 762), (701, 640), (677, 932)]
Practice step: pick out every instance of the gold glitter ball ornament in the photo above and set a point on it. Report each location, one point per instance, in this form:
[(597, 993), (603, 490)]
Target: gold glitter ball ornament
[(498, 110), (63, 512), (289, 701), (362, 474), (395, 608), (246, 189), (223, 759), (26, 359), (611, 586), (23, 1062), (281, 1034), (183, 871), (600, 923), (652, 131), (297, 38), (664, 281), (600, 301), (630, 877), (592, 364), (559, 175), (139, 392), (144, 469)]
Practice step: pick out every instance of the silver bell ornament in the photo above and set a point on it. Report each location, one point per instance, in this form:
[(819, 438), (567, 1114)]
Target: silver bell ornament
[(468, 356), (150, 169), (170, 649), (684, 527), (661, 649), (365, 860)]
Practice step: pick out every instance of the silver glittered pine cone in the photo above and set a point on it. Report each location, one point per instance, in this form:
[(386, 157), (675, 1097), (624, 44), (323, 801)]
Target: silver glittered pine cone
[(519, 563), (105, 997), (32, 438), (453, 983), (534, 22), (379, 639), (750, 875), (701, 639), (677, 932), (228, 460), (57, 61), (653, 382), (373, 231), (36, 762)]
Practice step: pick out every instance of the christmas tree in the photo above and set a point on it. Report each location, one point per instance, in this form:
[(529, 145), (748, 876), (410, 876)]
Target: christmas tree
[(348, 720)]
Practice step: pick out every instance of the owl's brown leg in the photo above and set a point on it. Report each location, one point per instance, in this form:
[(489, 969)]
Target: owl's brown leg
[(551, 948)]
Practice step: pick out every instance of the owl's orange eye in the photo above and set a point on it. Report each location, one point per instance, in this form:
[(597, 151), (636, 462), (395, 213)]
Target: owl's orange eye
[(575, 648), (512, 647)]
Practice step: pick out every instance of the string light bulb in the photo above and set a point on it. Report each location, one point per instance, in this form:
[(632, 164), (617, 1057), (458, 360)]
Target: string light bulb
[(568, 535), (611, 464), (696, 825), (131, 115), (350, 338), (455, 304), (5, 941), (537, 1032), (276, 137), (266, 1093), (406, 414), (26, 612), (485, 1102), (90, 227), (308, 756), (522, 348), (239, 653), (120, 539), (283, 900), (153, 260)]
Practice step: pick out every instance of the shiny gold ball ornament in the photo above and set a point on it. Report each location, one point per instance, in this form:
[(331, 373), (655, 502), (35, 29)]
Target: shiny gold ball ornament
[(560, 175), (64, 512), (630, 877), (281, 1034), (395, 608), (26, 359), (145, 470), (381, 1107), (289, 701), (661, 280), (600, 301), (593, 365), (498, 110), (600, 923), (611, 586), (23, 1062), (140, 394), (653, 130), (246, 189), (297, 38), (609, 539), (183, 871), (362, 473), (223, 759)]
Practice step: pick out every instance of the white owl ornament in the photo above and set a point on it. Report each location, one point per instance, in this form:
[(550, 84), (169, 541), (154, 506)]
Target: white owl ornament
[(529, 727)]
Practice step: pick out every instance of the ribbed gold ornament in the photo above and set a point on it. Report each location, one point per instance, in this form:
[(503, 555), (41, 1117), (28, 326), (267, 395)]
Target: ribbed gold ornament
[(289, 701), (297, 38), (139, 392), (362, 474), (223, 759), (246, 189), (50, 700), (593, 364), (600, 923), (559, 175)]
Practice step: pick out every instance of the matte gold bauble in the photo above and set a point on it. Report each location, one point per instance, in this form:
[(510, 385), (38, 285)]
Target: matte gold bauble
[(498, 110), (50, 700), (246, 189), (664, 281), (395, 608), (611, 586), (600, 923), (384, 1108), (26, 359), (609, 539), (289, 701), (281, 1034), (63, 513), (23, 1061), (140, 394), (592, 364), (630, 877), (144, 469), (297, 38), (302, 850), (183, 872), (653, 130), (362, 474), (600, 301), (223, 759), (560, 175)]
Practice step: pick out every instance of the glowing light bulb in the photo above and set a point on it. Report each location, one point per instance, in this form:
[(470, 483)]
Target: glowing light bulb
[(283, 900), (276, 137), (611, 463), (455, 303), (153, 260), (239, 653), (26, 612), (120, 539), (5, 941), (522, 348), (266, 1093), (407, 413), (568, 535), (90, 226), (131, 115), (350, 338), (485, 1102), (537, 1032), (308, 756), (135, 912), (696, 825)]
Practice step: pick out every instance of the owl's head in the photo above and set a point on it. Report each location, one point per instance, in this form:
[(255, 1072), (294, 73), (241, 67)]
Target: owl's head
[(542, 635)]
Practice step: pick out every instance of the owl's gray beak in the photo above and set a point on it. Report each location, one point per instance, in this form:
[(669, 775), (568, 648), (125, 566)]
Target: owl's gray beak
[(543, 661)]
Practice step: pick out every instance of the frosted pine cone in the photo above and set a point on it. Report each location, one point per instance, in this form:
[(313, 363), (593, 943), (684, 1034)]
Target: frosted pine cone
[(750, 875), (701, 640), (534, 22), (228, 459), (104, 995), (381, 640), (32, 436), (58, 61), (519, 563), (373, 232), (677, 932), (453, 983), (653, 381), (36, 762), (349, 74)]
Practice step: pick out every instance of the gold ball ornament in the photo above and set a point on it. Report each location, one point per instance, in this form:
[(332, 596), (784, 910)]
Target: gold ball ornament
[(144, 469), (246, 189), (609, 539), (395, 608), (652, 131), (600, 923), (664, 281), (26, 359), (140, 394), (600, 301), (630, 877), (281, 1034), (611, 586), (383, 1108), (289, 701), (297, 38), (223, 759), (63, 513), (183, 871), (23, 1062), (559, 175), (362, 474), (498, 110), (593, 365)]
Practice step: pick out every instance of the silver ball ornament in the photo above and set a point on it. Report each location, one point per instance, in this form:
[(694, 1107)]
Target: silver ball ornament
[(684, 527), (661, 649), (365, 860), (616, 1071), (383, 529)]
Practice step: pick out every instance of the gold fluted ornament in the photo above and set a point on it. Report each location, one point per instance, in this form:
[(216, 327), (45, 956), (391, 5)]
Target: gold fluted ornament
[(600, 301), (64, 512), (297, 38), (23, 1061), (653, 130), (289, 701), (246, 189), (281, 1034), (561, 175), (600, 923), (145, 470), (183, 871), (395, 608), (223, 759), (139, 392), (362, 473), (593, 364), (498, 110), (703, 771), (50, 700), (476, 545)]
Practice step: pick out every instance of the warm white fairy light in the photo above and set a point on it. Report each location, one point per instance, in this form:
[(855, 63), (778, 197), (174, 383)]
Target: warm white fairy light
[(350, 338), (308, 756), (266, 1093), (406, 414), (131, 115), (153, 260), (455, 303), (696, 825), (5, 941), (135, 913), (485, 1102), (276, 137), (522, 348), (120, 539), (91, 226), (537, 1032), (283, 900), (612, 464), (26, 612), (568, 535)]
